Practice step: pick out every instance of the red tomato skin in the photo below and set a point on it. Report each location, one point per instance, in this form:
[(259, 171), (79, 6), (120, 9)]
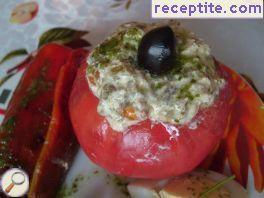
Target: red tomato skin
[(145, 150)]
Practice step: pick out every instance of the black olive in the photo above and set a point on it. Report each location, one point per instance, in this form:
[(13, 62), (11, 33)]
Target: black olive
[(157, 50)]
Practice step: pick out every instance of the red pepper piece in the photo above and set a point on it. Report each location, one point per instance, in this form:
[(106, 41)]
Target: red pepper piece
[(60, 145), (28, 115), (36, 134)]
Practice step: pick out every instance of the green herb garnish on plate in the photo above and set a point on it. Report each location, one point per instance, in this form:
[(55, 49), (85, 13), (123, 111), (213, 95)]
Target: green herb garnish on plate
[(215, 187)]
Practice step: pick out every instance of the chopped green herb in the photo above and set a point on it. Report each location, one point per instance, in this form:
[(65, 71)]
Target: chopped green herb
[(185, 93), (193, 81), (177, 67), (2, 163), (69, 191), (37, 85), (117, 69), (122, 185), (109, 47), (6, 159), (90, 70), (133, 37), (122, 46), (159, 85), (185, 59), (9, 125), (180, 77), (176, 120), (180, 61), (216, 186)]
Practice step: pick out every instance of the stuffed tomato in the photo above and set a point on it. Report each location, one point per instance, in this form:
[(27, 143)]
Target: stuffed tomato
[(151, 102)]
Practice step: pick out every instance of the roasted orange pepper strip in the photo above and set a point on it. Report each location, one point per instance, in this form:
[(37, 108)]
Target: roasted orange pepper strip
[(232, 154), (36, 134), (251, 113), (60, 144)]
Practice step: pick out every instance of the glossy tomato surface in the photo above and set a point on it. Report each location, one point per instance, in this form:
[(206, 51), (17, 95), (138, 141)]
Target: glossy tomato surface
[(146, 150)]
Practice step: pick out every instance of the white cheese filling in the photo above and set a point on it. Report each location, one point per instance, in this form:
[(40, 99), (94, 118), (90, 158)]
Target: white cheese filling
[(128, 94)]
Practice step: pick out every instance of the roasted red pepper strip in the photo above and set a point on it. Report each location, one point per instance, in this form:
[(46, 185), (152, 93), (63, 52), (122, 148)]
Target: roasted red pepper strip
[(220, 157), (38, 114), (28, 115), (60, 145), (243, 154), (206, 163), (232, 154)]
